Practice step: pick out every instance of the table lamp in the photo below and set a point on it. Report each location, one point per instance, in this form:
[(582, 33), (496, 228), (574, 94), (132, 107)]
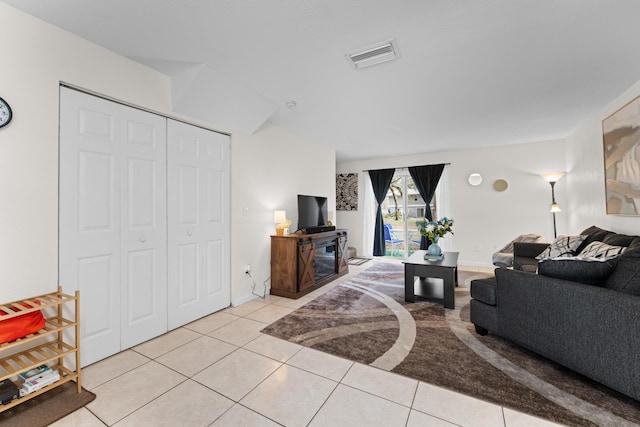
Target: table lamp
[(280, 218)]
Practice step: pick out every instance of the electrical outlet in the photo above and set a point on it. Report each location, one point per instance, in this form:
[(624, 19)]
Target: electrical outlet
[(247, 269)]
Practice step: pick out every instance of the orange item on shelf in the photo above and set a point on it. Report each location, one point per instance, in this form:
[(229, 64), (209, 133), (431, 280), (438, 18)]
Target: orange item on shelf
[(20, 326)]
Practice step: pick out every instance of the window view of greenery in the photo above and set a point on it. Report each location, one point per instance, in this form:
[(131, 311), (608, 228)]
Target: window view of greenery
[(400, 210)]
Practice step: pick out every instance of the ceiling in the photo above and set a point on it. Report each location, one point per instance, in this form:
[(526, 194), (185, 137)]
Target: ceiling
[(471, 73)]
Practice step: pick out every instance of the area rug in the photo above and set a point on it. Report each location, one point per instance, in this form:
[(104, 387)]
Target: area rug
[(47, 408), (358, 261), (366, 319)]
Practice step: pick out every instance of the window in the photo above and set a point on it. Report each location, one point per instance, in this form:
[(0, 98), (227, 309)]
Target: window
[(401, 209)]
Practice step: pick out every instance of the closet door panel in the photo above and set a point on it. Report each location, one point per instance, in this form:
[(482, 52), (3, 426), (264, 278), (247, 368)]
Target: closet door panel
[(97, 283), (144, 274), (188, 193), (215, 268), (188, 268), (188, 284), (216, 170), (96, 198), (90, 216), (142, 296), (198, 218)]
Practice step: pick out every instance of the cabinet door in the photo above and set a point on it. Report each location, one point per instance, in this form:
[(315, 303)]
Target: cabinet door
[(306, 266), (198, 227), (343, 253)]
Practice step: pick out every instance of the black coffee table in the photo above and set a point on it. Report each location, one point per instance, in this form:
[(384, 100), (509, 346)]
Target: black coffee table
[(420, 278)]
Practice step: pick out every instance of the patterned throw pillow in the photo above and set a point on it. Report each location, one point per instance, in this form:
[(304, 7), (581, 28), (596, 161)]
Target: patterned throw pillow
[(601, 251), (562, 246)]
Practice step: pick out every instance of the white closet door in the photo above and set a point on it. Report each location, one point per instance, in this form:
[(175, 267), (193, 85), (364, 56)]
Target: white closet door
[(144, 226), (89, 199), (198, 215), (113, 221)]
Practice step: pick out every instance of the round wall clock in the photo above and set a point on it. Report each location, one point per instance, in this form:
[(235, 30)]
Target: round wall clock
[(5, 113)]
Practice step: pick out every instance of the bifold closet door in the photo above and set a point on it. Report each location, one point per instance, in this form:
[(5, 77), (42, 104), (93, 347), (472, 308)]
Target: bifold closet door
[(198, 222), (112, 223)]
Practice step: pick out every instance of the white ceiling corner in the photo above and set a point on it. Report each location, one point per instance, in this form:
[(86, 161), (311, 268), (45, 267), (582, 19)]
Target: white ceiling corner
[(203, 93), (167, 66)]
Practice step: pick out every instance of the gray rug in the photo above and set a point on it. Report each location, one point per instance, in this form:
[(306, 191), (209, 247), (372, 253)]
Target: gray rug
[(356, 320)]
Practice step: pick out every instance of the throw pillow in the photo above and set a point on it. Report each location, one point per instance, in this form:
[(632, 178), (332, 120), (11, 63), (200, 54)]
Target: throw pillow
[(562, 246), (601, 250), (583, 270)]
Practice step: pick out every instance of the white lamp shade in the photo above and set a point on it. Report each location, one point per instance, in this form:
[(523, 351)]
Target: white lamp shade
[(279, 217), (555, 208), (552, 177)]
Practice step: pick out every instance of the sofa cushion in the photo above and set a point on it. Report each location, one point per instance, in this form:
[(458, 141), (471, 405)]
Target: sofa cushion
[(584, 270), (484, 290), (597, 234), (601, 250), (594, 234), (562, 246), (626, 276), (617, 239)]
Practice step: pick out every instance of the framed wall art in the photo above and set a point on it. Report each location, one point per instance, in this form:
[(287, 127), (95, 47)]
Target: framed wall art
[(621, 138), (347, 192)]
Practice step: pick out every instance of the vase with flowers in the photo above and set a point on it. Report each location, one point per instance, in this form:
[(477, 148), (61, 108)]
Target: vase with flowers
[(434, 230)]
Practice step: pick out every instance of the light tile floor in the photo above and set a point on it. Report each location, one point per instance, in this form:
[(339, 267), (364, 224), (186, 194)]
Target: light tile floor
[(221, 371)]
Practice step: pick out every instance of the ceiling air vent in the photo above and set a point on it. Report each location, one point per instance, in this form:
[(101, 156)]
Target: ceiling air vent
[(374, 54)]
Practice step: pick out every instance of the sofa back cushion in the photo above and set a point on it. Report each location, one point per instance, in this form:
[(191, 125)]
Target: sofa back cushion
[(588, 271), (626, 275), (615, 239), (594, 234), (597, 234)]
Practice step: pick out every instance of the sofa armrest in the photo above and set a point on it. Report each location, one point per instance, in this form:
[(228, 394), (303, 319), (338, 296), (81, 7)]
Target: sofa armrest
[(528, 250)]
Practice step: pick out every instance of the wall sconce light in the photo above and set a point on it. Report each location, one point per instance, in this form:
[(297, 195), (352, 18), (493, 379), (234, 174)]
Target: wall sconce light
[(552, 178), (280, 218)]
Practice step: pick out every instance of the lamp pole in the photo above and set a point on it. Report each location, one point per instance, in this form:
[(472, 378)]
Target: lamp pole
[(554, 207)]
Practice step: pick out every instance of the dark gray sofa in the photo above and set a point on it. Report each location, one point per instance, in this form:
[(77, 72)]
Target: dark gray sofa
[(593, 329)]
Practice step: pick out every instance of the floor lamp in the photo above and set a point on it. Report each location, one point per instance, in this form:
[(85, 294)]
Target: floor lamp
[(552, 178)]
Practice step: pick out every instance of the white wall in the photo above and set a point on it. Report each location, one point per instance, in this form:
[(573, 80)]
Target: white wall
[(35, 59), (269, 170), (485, 220), (585, 177)]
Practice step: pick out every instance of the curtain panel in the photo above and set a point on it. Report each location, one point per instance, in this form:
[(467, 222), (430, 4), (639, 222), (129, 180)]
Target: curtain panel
[(380, 181), (426, 179)]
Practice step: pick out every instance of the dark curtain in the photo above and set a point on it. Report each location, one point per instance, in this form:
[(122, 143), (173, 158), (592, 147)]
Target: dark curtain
[(426, 179), (380, 180)]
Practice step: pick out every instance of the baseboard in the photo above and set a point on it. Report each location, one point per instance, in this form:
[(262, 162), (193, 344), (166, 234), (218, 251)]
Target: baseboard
[(239, 301), (466, 265)]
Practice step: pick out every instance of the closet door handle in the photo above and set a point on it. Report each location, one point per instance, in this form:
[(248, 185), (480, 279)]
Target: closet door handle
[(142, 239), (189, 233)]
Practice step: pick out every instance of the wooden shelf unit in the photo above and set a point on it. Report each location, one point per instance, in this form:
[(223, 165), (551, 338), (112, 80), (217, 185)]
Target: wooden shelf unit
[(48, 344), (301, 263)]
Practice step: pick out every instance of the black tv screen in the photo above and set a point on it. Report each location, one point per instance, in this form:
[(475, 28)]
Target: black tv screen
[(312, 211)]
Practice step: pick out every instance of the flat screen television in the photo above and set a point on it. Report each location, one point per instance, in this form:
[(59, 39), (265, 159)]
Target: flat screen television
[(312, 212)]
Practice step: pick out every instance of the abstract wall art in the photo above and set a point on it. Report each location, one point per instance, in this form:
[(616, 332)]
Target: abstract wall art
[(621, 136)]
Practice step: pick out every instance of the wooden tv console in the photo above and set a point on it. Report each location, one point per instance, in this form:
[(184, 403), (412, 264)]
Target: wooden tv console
[(301, 263)]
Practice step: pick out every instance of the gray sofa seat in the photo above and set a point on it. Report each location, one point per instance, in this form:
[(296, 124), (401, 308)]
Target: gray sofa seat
[(591, 329)]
